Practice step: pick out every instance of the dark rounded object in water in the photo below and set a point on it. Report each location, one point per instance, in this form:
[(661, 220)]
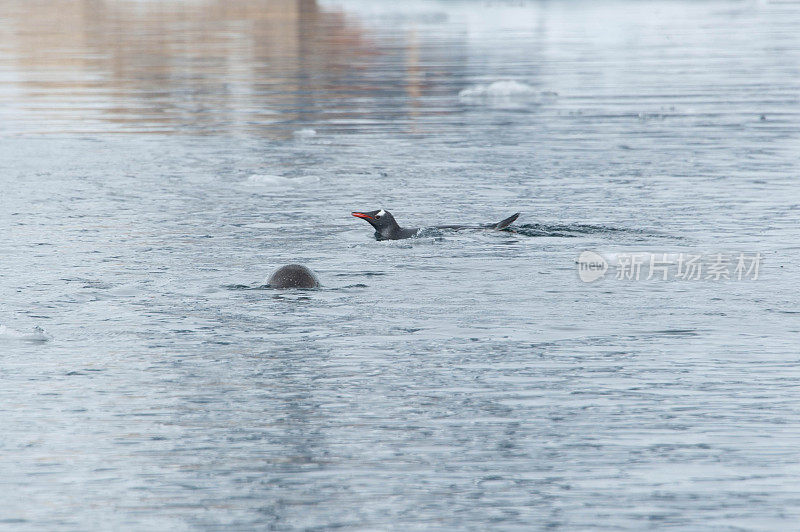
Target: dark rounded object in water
[(293, 276)]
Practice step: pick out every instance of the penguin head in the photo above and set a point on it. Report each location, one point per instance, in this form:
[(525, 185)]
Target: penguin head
[(381, 220)]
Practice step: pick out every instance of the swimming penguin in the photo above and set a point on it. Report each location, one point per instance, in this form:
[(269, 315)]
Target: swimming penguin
[(293, 276), (387, 228)]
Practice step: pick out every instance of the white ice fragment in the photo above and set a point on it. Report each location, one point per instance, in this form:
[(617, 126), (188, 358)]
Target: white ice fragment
[(37, 334), (499, 92)]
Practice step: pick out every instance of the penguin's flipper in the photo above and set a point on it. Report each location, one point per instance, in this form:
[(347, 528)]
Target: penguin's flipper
[(505, 223)]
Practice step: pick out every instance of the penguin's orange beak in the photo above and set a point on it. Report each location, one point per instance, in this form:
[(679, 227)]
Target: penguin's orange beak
[(362, 215)]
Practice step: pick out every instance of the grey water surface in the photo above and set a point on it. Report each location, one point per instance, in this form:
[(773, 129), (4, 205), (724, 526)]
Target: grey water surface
[(161, 159)]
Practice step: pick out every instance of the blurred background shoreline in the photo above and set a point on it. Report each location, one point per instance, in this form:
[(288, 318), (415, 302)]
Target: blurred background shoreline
[(273, 67)]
